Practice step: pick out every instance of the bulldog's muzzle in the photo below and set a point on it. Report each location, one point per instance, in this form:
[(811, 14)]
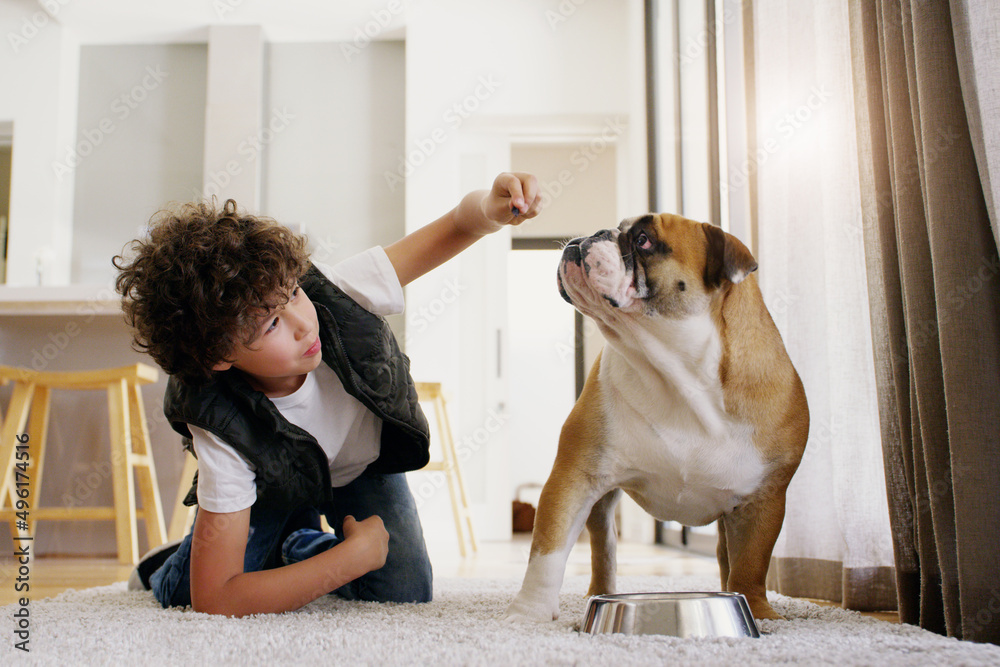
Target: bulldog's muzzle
[(598, 266)]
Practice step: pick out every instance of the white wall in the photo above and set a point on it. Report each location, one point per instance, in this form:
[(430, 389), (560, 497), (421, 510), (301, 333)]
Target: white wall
[(38, 74), (142, 117), (329, 129), (345, 127)]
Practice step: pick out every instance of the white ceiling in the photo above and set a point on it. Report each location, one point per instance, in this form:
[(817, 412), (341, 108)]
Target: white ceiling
[(141, 21)]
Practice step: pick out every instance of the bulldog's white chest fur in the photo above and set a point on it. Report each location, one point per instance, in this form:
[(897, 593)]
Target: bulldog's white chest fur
[(670, 443)]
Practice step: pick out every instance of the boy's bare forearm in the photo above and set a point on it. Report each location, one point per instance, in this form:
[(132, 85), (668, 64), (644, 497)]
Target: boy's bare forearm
[(432, 245), (220, 586), (287, 588), (479, 213)]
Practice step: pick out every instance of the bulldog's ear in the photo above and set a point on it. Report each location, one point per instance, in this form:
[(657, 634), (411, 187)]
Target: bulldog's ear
[(726, 257)]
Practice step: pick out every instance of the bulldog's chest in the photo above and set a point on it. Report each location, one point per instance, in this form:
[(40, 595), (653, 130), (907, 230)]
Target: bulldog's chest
[(674, 449)]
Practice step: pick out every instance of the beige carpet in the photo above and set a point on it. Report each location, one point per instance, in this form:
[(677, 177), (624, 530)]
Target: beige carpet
[(111, 626)]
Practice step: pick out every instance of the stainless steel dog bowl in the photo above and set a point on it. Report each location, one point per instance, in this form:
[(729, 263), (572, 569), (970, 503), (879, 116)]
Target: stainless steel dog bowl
[(675, 614)]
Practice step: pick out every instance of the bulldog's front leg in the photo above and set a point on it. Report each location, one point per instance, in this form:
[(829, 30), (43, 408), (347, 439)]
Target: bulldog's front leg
[(603, 544), (746, 540), (562, 509)]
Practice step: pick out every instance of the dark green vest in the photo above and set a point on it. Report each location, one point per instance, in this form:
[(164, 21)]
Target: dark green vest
[(291, 467)]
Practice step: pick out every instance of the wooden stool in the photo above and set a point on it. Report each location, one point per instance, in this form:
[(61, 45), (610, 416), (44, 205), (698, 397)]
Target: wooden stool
[(130, 448), (431, 392)]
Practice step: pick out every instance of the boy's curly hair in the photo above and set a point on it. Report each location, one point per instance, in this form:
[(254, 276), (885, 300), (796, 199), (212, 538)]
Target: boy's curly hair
[(201, 282)]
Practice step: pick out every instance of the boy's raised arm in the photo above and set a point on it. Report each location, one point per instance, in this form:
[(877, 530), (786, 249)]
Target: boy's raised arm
[(479, 213)]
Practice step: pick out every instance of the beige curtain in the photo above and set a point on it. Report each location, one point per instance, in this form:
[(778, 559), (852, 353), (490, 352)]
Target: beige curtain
[(836, 540), (926, 99), (876, 177)]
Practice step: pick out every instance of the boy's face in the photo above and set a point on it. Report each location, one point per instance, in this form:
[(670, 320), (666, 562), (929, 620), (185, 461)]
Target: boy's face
[(286, 349)]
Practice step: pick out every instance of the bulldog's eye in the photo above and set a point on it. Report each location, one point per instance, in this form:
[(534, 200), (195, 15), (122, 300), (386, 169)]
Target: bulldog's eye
[(642, 241)]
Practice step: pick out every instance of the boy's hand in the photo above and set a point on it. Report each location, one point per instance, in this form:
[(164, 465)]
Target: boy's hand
[(370, 539), (514, 198)]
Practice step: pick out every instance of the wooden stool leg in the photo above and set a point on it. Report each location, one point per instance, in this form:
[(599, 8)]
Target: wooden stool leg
[(447, 442), (149, 490), (121, 473), (38, 430), (448, 454), (13, 426), (180, 519), (449, 465)]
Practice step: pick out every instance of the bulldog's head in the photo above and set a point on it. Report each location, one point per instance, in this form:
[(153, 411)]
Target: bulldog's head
[(652, 264)]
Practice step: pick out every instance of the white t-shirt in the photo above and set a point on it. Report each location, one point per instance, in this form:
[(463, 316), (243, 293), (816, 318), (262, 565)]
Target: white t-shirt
[(346, 430)]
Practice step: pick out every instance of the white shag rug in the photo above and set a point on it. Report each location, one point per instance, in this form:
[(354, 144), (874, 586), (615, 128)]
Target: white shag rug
[(112, 626)]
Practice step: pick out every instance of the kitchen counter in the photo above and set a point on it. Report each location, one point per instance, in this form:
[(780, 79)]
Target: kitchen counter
[(81, 300)]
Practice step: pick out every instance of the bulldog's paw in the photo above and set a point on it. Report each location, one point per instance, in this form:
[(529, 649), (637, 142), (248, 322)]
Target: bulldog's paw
[(762, 610), (524, 611)]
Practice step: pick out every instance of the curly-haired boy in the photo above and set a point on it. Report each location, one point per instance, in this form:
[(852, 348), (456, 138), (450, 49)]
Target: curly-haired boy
[(288, 386)]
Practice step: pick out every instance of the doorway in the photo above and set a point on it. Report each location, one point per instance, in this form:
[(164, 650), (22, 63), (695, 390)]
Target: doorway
[(543, 370), (551, 346)]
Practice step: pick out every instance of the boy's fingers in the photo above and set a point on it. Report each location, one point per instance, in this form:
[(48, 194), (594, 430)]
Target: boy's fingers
[(521, 189), (509, 186), (531, 195)]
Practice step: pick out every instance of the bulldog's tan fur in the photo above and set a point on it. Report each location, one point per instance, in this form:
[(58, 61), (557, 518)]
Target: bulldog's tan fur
[(693, 408)]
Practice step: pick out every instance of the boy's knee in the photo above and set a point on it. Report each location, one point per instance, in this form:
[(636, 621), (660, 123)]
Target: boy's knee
[(422, 583), (414, 591), (171, 584), (422, 591), (415, 584)]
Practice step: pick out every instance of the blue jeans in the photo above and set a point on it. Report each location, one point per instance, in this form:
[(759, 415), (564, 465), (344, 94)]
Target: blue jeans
[(280, 538)]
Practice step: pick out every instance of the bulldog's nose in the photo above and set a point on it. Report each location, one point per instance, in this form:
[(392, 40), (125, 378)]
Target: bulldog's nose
[(571, 253), (603, 235)]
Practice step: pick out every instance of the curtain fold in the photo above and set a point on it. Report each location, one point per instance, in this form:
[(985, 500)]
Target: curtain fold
[(934, 296), (977, 47)]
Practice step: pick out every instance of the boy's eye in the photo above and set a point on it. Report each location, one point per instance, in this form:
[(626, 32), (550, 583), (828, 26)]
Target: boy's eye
[(271, 326)]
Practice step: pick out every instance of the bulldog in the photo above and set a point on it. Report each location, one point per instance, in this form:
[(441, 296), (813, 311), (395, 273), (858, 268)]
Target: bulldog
[(693, 407)]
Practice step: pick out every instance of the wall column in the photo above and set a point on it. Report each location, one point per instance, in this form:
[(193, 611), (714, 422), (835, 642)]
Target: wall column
[(233, 115)]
